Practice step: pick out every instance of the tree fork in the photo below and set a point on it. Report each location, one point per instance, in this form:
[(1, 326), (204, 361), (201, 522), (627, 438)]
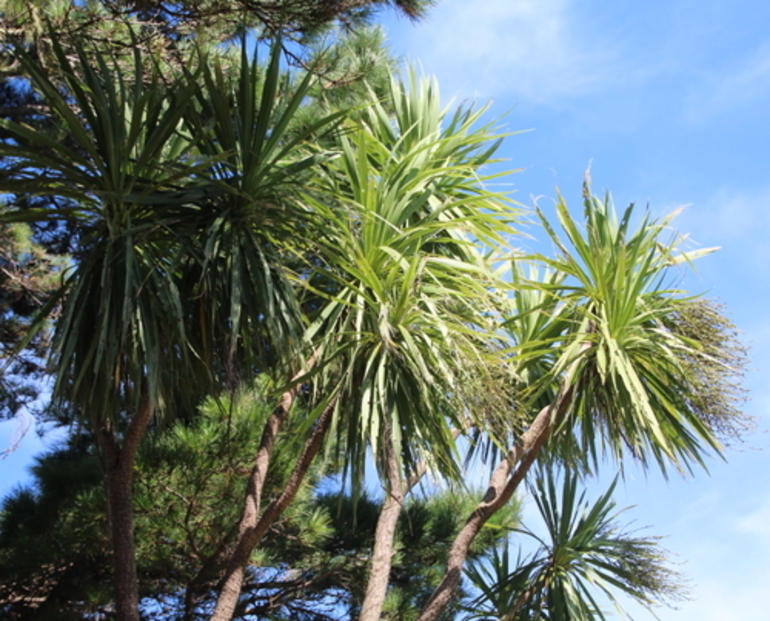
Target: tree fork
[(251, 534)]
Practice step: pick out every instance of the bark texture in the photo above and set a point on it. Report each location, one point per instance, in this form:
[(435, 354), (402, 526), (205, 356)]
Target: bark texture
[(252, 527), (119, 462), (502, 485), (384, 536)]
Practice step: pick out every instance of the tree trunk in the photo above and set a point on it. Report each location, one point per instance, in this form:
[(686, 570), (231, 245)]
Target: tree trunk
[(119, 463), (384, 536), (251, 529), (120, 502), (207, 575), (501, 489)]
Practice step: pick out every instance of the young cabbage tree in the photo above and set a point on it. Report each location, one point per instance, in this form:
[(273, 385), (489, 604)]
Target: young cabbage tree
[(583, 552), (614, 361), (408, 338)]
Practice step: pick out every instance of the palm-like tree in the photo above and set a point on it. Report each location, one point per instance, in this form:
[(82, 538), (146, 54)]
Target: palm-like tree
[(120, 343), (407, 338), (636, 392), (251, 227), (258, 158), (182, 220), (399, 294), (583, 552), (617, 362)]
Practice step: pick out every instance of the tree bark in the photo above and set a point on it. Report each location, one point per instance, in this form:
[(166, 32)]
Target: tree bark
[(206, 576), (501, 488), (384, 536), (523, 600), (252, 528), (119, 463), (120, 502), (385, 532)]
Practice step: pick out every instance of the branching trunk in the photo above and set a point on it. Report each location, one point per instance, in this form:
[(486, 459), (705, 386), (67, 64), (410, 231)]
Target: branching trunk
[(119, 462), (252, 528), (385, 533), (502, 485), (207, 574), (384, 536)]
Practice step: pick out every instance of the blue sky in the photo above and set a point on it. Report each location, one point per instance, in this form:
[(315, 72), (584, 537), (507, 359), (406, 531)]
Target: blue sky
[(668, 104)]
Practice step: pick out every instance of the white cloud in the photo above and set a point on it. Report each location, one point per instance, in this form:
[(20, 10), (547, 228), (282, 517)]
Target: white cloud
[(731, 596), (550, 51), (724, 557), (757, 524), (746, 81), (527, 49), (738, 221), (729, 569)]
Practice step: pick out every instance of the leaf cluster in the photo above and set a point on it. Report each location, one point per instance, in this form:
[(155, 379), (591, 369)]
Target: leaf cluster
[(408, 327), (583, 552), (605, 325)]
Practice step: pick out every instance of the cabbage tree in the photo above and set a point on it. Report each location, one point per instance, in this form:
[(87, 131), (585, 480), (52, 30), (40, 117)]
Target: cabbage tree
[(403, 300), (408, 339), (583, 551), (177, 190), (120, 347), (613, 361)]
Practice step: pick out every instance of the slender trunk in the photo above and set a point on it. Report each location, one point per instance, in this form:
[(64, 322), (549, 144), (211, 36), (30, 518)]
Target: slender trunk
[(520, 603), (385, 533), (231, 589), (253, 528), (206, 576), (120, 502), (384, 536), (119, 462), (501, 489)]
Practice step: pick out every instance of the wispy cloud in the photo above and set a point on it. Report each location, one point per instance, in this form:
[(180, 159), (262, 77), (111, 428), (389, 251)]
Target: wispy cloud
[(734, 215), (757, 524), (738, 220), (732, 86), (721, 538), (551, 51), (526, 49), (726, 588)]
